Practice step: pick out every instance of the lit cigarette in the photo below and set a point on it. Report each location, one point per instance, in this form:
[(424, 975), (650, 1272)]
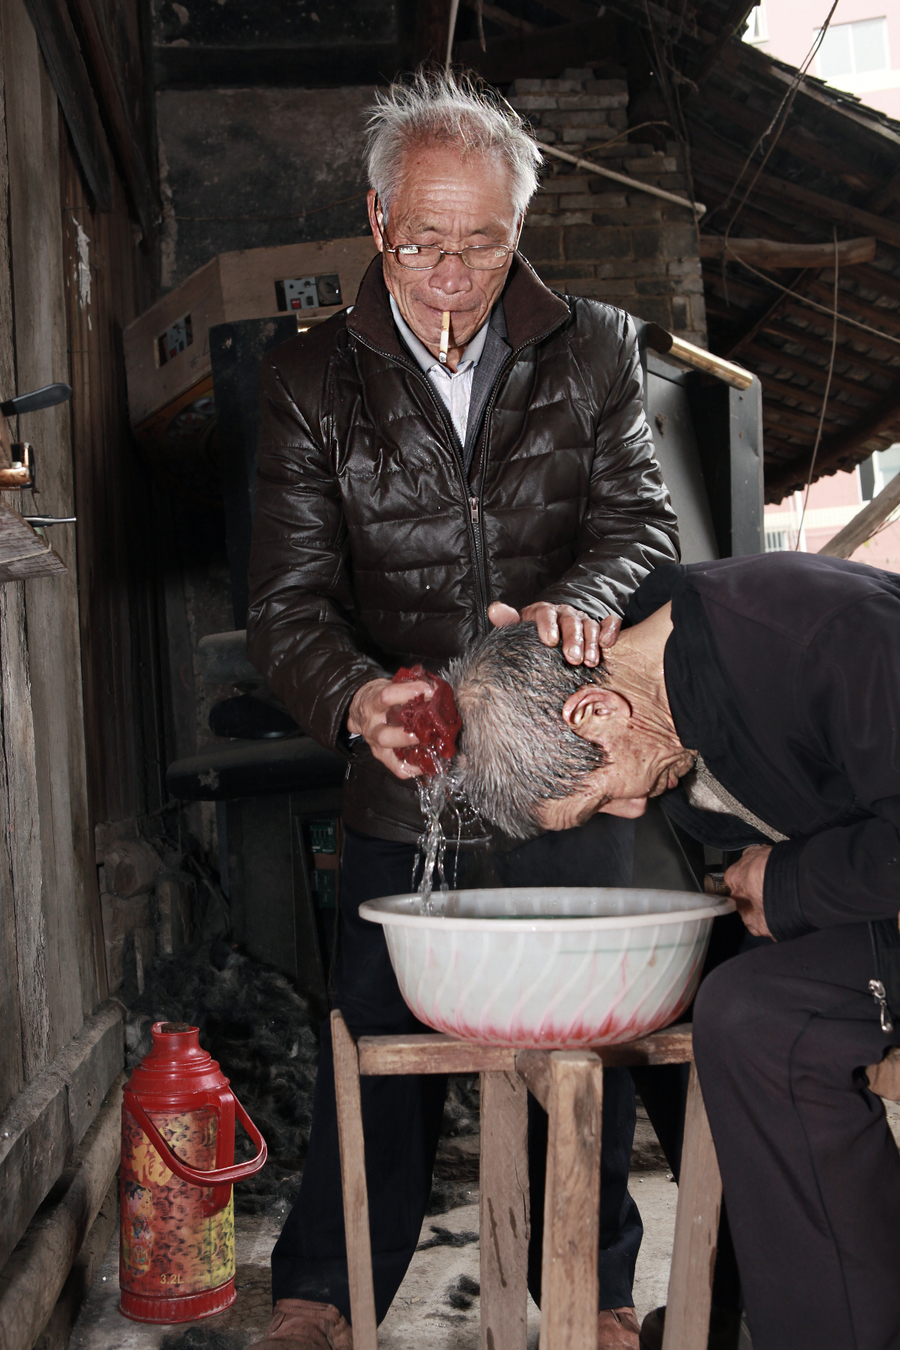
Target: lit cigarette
[(445, 337)]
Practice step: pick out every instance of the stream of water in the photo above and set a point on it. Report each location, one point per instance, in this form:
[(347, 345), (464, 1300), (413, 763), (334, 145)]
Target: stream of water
[(433, 798)]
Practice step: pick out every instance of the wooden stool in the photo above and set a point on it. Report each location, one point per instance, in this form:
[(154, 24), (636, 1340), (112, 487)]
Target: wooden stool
[(569, 1085)]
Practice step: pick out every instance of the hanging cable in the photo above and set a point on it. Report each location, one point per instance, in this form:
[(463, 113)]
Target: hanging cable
[(812, 462)]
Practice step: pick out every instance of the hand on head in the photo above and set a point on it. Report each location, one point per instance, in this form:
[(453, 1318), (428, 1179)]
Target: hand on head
[(582, 638)]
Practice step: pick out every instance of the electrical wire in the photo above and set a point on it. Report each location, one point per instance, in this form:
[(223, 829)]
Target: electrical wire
[(812, 462)]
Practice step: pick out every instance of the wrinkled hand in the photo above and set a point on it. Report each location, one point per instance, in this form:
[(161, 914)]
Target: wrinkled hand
[(745, 880), (582, 637), (367, 717)]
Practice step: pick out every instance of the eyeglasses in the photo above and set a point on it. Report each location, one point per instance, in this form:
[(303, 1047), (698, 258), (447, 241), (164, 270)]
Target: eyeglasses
[(422, 257)]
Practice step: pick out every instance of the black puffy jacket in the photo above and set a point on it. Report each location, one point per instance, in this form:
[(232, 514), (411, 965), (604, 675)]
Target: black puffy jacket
[(371, 548)]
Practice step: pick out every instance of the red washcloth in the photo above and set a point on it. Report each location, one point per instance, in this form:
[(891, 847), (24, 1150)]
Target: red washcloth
[(436, 721)]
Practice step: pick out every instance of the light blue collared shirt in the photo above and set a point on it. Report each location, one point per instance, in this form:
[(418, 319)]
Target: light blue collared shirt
[(454, 386)]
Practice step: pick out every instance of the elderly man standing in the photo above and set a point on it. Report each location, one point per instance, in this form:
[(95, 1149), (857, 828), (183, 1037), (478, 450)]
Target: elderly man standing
[(461, 438), (760, 697)]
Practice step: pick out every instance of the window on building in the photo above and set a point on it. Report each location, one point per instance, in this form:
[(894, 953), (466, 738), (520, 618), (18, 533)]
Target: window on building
[(876, 472), (854, 49), (757, 25), (779, 541)]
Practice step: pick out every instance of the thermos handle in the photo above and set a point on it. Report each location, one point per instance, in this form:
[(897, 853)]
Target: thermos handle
[(217, 1176)]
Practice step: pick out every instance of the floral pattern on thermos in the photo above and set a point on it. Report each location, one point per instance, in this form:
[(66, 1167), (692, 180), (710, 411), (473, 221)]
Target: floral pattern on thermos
[(169, 1246)]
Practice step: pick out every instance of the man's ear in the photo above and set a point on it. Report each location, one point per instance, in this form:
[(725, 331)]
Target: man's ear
[(373, 206), (591, 710)]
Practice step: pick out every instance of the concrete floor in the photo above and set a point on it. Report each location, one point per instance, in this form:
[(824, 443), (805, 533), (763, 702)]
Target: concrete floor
[(437, 1307)]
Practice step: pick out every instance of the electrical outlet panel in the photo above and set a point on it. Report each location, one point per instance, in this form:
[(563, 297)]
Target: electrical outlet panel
[(299, 293), (174, 340)]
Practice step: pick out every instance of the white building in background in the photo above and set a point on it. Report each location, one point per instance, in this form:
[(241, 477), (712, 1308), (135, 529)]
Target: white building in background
[(860, 52)]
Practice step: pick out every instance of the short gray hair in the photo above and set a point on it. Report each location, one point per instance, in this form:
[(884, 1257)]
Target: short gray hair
[(515, 750), (441, 108)]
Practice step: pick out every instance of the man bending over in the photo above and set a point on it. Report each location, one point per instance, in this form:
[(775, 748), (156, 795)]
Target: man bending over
[(760, 697)]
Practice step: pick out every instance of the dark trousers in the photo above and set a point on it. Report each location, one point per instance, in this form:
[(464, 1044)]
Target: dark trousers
[(402, 1115), (810, 1170)]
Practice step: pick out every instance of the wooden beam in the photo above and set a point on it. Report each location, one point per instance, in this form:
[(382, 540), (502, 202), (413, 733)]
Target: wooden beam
[(540, 54), (816, 203), (864, 523), (511, 22), (845, 443), (505, 1214), (69, 76), (761, 320), (353, 1185), (806, 148), (815, 373), (741, 59), (734, 19), (138, 179), (432, 1053), (50, 1116), (33, 1276), (689, 1302), (774, 253), (432, 27), (571, 1232)]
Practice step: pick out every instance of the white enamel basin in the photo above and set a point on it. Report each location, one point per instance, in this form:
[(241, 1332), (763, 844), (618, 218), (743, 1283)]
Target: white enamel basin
[(550, 967)]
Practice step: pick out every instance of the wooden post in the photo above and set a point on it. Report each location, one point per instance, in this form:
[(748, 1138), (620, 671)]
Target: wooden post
[(353, 1181), (505, 1217), (696, 1231), (569, 1285)]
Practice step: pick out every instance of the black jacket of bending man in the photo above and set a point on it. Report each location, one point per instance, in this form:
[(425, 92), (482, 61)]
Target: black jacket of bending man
[(375, 547), (784, 673)]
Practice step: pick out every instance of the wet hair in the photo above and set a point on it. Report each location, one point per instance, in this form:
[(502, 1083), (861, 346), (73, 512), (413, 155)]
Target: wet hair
[(443, 108), (515, 750)]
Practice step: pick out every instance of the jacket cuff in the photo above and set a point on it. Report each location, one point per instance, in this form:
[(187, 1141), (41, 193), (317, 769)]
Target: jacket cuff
[(781, 891)]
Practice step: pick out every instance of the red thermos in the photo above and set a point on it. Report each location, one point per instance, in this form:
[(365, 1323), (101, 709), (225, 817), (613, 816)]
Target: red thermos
[(176, 1254)]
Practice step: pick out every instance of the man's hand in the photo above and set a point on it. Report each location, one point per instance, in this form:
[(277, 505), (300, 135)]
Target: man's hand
[(582, 636), (367, 717), (745, 881)]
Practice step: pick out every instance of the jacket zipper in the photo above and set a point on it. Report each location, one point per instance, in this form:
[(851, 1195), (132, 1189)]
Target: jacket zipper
[(877, 990), (473, 501)]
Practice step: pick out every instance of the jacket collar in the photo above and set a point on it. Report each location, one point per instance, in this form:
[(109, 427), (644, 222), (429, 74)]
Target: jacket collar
[(531, 310)]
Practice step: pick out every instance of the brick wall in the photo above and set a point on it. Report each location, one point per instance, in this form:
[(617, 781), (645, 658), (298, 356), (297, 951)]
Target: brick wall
[(588, 235)]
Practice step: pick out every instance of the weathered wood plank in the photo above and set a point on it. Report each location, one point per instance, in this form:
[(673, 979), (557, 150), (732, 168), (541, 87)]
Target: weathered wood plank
[(73, 89), (50, 1116), (353, 1177), (569, 1282), (19, 778), (33, 1277), (23, 553), (533, 1066), (505, 1215), (57, 1332), (11, 1067), (67, 874), (432, 1053), (696, 1231)]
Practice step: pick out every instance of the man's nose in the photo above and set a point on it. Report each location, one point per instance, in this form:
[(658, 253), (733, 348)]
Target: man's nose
[(451, 276)]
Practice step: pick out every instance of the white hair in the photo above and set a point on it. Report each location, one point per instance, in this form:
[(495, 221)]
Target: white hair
[(515, 750), (441, 108)]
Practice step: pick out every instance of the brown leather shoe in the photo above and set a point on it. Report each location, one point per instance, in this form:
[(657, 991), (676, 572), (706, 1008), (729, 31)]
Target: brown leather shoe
[(618, 1329), (298, 1324)]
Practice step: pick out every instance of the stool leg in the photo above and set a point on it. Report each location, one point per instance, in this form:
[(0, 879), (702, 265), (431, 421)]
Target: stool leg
[(353, 1182), (505, 1215), (696, 1231), (569, 1286)]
